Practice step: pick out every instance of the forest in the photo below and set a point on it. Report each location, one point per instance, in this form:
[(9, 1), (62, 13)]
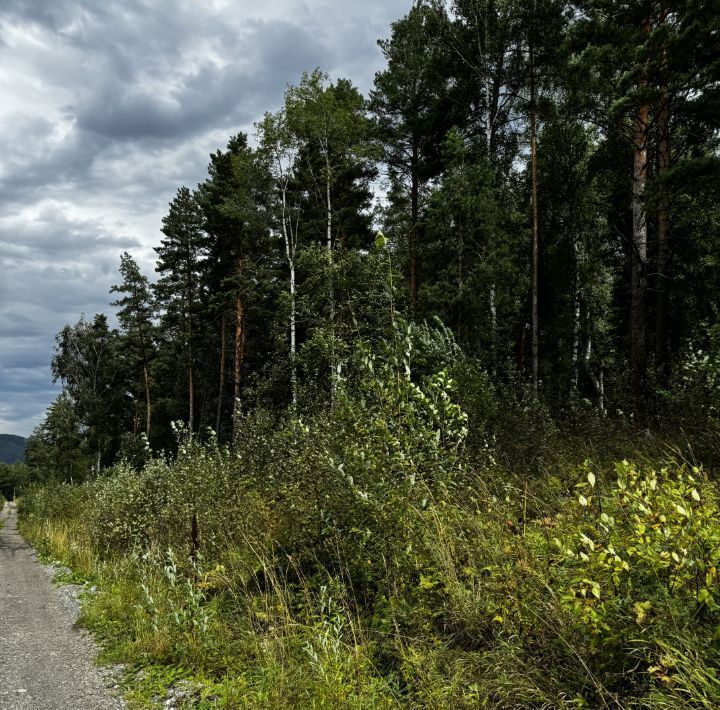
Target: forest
[(420, 407)]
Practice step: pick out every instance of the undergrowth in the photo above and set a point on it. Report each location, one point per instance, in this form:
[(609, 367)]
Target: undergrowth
[(392, 553)]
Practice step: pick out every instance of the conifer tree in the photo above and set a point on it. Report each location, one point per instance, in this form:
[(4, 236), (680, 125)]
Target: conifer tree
[(181, 258), (412, 111), (136, 316)]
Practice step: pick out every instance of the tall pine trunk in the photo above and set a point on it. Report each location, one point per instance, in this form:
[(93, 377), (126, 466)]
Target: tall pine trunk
[(189, 336), (493, 329), (414, 214), (191, 384), (535, 228), (148, 405), (239, 349), (191, 399), (598, 381), (221, 384), (638, 354), (146, 381), (663, 227)]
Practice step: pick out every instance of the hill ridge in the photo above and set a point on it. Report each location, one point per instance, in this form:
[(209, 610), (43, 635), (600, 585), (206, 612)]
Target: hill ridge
[(12, 448)]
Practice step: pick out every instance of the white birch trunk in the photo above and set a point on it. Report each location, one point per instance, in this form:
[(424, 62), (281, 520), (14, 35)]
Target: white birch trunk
[(493, 329), (328, 204), (290, 246), (576, 324)]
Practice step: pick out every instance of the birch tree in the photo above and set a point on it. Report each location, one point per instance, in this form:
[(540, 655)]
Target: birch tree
[(328, 120), (281, 151)]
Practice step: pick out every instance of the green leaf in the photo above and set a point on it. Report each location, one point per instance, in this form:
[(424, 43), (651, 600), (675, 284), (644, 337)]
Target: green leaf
[(705, 597), (428, 582), (591, 479)]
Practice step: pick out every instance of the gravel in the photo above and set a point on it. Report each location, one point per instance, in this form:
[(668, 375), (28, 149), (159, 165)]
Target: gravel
[(46, 663)]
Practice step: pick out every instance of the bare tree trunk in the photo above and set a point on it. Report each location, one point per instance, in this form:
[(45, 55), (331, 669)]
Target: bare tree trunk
[(639, 256), (414, 213), (535, 227), (493, 329), (191, 385), (148, 406), (189, 336), (663, 279), (599, 381), (293, 344), (191, 399), (576, 325), (328, 235), (221, 384), (520, 358), (490, 113), (239, 350), (290, 237)]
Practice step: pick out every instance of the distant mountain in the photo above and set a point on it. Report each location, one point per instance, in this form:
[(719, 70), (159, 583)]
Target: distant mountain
[(12, 448)]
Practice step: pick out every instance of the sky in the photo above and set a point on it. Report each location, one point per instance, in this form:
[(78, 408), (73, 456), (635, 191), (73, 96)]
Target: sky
[(106, 108)]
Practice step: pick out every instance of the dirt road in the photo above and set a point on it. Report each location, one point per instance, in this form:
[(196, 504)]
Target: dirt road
[(45, 663)]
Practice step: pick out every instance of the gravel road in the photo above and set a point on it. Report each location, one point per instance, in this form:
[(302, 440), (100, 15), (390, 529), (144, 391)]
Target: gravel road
[(45, 663)]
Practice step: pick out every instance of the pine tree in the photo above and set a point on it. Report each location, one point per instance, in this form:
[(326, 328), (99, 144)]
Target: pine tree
[(136, 316), (181, 258), (411, 106)]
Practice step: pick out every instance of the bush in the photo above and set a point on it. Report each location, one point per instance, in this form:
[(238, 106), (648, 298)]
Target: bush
[(640, 566), (381, 554)]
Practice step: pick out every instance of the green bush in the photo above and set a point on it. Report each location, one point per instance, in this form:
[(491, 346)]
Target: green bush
[(640, 567), (385, 553)]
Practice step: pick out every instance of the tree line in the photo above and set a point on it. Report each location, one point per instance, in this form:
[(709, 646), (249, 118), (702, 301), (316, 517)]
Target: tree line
[(539, 175)]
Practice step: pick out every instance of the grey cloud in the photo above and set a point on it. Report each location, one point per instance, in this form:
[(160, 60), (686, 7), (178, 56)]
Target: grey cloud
[(21, 411), (208, 95), (54, 239), (36, 11), (107, 108), (26, 364)]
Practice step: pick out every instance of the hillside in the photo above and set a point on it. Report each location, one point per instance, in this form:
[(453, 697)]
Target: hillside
[(12, 448)]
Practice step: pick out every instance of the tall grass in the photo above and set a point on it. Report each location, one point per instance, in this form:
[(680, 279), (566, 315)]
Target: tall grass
[(390, 554)]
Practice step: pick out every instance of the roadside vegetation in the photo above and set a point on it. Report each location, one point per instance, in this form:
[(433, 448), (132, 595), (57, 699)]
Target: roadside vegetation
[(388, 554), (421, 409)]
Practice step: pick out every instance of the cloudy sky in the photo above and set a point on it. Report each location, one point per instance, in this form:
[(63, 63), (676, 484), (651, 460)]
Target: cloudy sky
[(106, 107)]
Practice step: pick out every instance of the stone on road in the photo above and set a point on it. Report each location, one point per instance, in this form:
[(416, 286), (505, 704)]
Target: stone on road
[(45, 663)]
